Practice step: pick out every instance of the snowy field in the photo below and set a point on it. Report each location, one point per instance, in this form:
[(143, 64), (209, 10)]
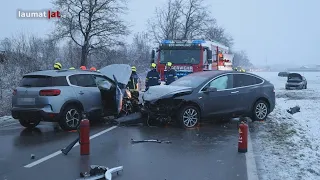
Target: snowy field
[(286, 146)]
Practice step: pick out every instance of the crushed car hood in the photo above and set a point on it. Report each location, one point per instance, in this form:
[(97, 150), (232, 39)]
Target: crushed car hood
[(121, 71), (156, 92)]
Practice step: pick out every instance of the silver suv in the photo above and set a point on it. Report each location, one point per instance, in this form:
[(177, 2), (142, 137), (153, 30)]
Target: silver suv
[(62, 95)]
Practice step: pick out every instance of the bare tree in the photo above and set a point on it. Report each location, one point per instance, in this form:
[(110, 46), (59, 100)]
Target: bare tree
[(218, 34), (195, 19), (139, 52), (71, 54), (241, 59), (91, 24), (166, 23)]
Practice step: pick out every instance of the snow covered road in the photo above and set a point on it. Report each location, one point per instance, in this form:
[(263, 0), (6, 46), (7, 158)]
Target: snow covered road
[(287, 146)]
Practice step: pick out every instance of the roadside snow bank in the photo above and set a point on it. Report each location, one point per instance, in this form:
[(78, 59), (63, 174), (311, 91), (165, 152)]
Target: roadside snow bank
[(287, 146), (6, 120), (285, 149)]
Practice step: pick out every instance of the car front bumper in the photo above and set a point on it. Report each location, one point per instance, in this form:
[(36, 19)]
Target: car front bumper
[(294, 87)]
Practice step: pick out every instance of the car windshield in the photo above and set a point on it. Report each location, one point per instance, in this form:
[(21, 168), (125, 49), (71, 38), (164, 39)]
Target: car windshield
[(180, 56), (189, 81)]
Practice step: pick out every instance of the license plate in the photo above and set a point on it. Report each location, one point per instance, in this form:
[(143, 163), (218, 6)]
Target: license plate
[(26, 101)]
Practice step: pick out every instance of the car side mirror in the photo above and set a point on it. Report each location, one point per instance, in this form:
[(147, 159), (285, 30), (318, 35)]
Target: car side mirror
[(210, 89)]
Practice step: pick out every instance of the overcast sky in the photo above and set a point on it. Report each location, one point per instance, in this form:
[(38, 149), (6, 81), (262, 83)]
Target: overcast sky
[(271, 31)]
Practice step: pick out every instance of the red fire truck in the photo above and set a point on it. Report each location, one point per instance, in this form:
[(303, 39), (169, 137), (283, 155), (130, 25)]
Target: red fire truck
[(189, 56)]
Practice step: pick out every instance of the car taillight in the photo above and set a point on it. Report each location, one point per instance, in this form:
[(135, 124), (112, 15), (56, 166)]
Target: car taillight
[(14, 92), (50, 92)]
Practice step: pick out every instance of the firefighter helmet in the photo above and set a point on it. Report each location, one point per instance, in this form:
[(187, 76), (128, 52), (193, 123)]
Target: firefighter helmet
[(153, 65), (57, 65)]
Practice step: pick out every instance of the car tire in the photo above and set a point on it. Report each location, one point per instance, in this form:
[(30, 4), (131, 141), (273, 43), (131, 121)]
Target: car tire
[(28, 123), (305, 87), (189, 116), (70, 118), (260, 111)]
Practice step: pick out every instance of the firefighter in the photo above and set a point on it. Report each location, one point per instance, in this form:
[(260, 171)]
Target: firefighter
[(133, 83), (57, 66), (171, 74), (83, 67), (153, 77), (93, 69)]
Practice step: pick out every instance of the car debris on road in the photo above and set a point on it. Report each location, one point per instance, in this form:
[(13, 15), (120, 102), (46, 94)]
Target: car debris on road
[(150, 140), (33, 156), (293, 110), (99, 172)]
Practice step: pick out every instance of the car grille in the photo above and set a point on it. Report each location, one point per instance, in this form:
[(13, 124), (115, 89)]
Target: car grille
[(155, 108)]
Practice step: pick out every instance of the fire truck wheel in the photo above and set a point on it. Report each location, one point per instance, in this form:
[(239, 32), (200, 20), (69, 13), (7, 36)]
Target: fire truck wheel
[(260, 111), (189, 116)]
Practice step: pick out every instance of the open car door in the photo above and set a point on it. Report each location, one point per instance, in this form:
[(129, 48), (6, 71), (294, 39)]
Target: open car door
[(119, 95), (120, 73)]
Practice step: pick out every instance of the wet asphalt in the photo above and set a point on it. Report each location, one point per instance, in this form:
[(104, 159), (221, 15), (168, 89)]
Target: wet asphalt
[(205, 153)]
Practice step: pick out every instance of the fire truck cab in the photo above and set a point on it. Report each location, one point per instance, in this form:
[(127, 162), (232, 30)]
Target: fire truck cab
[(188, 56)]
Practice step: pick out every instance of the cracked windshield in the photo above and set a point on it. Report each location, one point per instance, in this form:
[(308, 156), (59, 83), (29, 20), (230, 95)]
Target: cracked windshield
[(159, 90)]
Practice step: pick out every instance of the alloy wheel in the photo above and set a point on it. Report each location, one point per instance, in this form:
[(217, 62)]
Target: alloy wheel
[(261, 110), (72, 118), (190, 117)]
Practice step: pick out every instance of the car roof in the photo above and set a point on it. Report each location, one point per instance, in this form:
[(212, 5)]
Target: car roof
[(212, 74), (63, 72), (295, 74), (208, 74)]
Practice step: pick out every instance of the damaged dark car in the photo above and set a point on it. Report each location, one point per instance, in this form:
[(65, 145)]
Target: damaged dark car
[(223, 94), (296, 81)]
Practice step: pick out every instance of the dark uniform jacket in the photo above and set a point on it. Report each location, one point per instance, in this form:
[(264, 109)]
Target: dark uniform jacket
[(152, 79), (171, 76), (132, 84)]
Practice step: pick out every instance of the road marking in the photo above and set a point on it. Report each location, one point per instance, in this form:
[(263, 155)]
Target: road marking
[(251, 162), (59, 152)]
